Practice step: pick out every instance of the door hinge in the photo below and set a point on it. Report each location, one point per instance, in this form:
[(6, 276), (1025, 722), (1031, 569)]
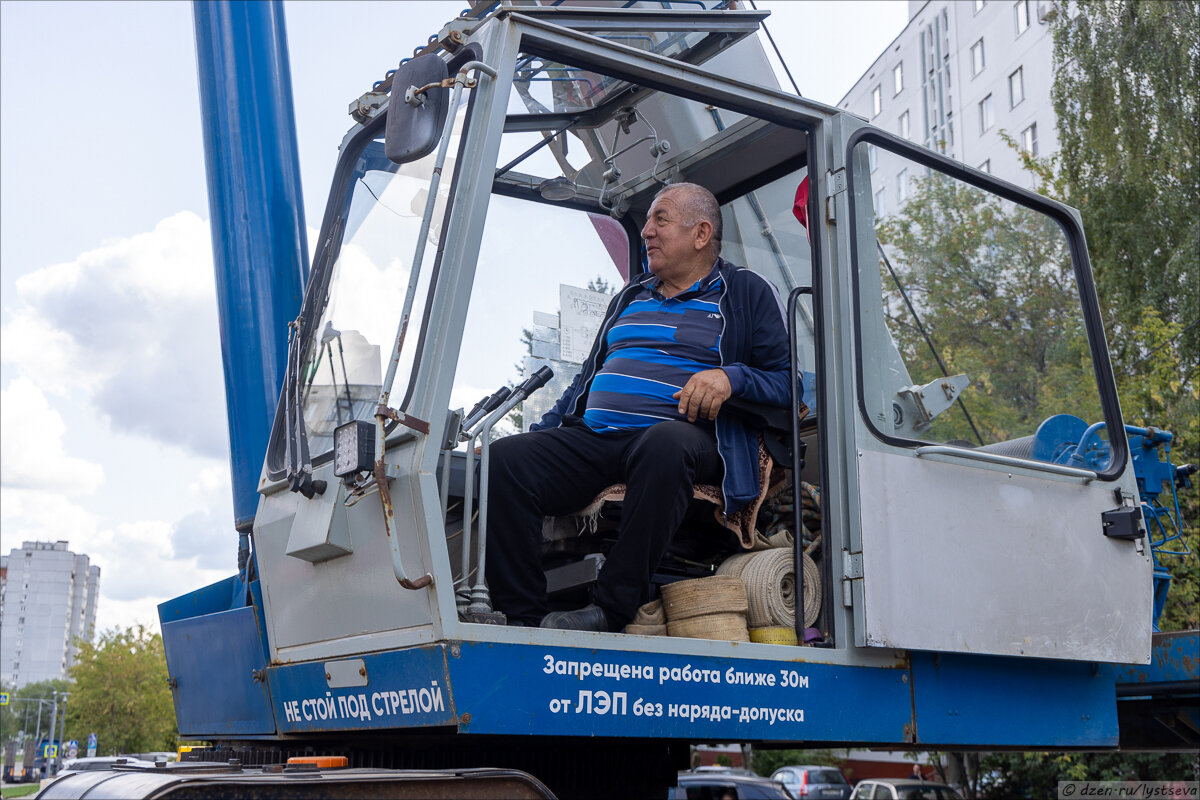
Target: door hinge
[(835, 184), (852, 569)]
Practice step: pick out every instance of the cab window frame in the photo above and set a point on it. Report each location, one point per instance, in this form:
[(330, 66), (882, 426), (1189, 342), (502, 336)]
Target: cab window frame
[(1084, 281)]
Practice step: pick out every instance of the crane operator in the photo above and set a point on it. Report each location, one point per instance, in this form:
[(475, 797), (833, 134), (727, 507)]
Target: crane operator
[(645, 410)]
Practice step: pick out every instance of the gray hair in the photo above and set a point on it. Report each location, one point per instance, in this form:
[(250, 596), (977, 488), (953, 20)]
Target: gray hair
[(697, 204)]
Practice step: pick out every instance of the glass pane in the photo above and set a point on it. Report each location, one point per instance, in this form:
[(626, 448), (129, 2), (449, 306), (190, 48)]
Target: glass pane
[(381, 221), (535, 261), (549, 87), (972, 326)]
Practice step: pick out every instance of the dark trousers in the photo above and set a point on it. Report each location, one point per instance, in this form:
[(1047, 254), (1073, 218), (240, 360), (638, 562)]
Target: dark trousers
[(559, 471)]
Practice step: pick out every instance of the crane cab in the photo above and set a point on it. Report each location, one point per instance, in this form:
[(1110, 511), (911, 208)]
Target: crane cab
[(976, 554)]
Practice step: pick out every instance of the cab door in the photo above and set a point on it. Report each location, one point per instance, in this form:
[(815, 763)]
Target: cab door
[(990, 496)]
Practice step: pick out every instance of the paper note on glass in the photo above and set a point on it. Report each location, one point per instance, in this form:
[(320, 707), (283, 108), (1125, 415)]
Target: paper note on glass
[(581, 312)]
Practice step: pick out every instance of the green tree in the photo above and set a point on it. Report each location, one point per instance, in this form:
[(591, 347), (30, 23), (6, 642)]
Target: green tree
[(22, 711), (121, 693), (1037, 774), (989, 287), (1127, 97), (1126, 94)]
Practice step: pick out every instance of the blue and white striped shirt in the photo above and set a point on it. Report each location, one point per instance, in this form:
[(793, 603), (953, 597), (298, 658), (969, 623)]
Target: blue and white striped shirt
[(654, 347)]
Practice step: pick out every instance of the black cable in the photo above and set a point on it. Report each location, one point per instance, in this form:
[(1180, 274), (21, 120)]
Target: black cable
[(1187, 328), (925, 336), (778, 54)]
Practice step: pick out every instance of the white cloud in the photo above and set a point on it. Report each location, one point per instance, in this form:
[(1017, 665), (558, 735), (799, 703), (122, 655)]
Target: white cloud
[(132, 327), (125, 552), (41, 515), (211, 480), (207, 537), (112, 613), (32, 455)]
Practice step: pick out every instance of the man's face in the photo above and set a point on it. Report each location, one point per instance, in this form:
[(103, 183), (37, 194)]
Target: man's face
[(670, 243)]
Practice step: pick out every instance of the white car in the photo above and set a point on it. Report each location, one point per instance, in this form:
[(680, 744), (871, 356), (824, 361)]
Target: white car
[(894, 789)]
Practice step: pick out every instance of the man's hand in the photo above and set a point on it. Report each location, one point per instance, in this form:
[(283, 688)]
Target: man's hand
[(703, 394)]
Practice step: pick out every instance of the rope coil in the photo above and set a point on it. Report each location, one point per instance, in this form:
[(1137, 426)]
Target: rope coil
[(769, 577), (707, 608)]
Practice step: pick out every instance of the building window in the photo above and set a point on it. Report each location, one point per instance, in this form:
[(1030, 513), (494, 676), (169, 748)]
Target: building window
[(977, 62), (873, 157), (985, 114), (979, 4), (876, 101), (902, 185), (1029, 140), (1021, 13), (898, 77), (1016, 87), (903, 125), (879, 203)]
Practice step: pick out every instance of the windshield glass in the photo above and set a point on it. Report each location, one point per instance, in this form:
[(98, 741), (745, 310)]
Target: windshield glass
[(379, 223)]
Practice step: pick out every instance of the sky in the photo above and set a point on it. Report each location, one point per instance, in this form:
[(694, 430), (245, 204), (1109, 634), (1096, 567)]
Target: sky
[(112, 414)]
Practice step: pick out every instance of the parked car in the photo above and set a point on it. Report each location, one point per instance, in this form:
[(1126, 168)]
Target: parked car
[(814, 781), (710, 784), (906, 789)]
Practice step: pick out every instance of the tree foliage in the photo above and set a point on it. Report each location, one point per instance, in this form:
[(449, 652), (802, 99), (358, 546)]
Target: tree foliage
[(22, 711), (992, 291), (121, 693), (1127, 96), (1037, 774), (1126, 92)]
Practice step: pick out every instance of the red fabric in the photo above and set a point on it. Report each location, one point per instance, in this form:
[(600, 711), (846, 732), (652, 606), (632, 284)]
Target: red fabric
[(800, 207)]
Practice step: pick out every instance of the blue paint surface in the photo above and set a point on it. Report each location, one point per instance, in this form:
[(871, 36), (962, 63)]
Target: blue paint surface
[(260, 248), (205, 600), (993, 701), (563, 691), (1174, 658), (212, 658), (522, 689), (404, 689)]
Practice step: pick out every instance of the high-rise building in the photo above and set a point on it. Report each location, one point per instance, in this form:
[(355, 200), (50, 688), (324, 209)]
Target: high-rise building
[(47, 602), (960, 72)]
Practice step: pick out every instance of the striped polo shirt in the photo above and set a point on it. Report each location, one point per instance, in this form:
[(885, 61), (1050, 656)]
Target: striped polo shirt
[(654, 346)]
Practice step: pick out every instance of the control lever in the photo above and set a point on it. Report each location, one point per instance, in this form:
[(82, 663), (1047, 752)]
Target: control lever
[(536, 381), (484, 407), (462, 433), (475, 605)]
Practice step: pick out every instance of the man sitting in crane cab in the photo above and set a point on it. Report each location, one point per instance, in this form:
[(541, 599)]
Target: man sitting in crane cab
[(645, 410)]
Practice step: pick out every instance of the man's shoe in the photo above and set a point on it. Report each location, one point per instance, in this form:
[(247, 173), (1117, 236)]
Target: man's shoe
[(589, 618)]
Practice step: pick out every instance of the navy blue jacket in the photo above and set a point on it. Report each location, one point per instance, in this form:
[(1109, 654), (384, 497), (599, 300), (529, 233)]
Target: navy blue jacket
[(754, 354)]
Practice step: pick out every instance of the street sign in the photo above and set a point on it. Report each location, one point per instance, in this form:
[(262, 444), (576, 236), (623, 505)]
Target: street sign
[(3, 698), (50, 751), (91, 751), (73, 749)]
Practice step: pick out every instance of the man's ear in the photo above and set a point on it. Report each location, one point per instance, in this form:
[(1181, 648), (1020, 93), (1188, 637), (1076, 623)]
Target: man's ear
[(704, 234)]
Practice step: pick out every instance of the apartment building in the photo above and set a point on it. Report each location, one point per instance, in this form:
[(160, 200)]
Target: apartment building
[(959, 73), (48, 601)]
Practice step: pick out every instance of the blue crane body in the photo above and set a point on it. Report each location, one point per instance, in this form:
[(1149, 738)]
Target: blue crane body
[(972, 595)]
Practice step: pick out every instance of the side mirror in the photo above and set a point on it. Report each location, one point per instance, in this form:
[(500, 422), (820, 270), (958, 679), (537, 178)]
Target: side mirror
[(415, 119)]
